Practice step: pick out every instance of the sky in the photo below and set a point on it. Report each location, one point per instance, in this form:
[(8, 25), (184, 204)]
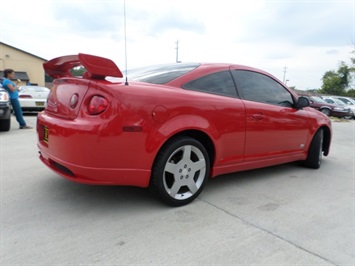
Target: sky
[(297, 41)]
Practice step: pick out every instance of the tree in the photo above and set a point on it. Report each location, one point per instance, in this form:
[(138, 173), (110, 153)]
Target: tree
[(336, 82), (351, 93), (77, 71)]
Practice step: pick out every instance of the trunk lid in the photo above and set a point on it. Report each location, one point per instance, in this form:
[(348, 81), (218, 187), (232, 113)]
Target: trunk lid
[(68, 92), (66, 97)]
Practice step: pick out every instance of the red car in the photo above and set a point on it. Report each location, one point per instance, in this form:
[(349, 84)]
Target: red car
[(172, 127)]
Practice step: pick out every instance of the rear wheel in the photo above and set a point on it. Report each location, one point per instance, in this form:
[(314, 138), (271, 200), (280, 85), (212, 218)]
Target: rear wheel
[(180, 171), (348, 117), (314, 157)]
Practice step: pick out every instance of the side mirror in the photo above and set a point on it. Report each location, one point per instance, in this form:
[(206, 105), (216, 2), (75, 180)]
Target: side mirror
[(302, 102)]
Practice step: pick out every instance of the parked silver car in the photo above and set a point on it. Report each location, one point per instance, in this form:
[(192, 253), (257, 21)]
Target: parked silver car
[(335, 100), (349, 102)]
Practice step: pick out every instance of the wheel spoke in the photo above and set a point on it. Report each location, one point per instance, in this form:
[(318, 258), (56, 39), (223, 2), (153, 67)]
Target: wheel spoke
[(170, 167), (187, 153), (175, 188), (192, 186), (199, 165)]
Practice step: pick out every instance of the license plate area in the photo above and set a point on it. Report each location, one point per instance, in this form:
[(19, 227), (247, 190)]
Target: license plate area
[(45, 134), (40, 104)]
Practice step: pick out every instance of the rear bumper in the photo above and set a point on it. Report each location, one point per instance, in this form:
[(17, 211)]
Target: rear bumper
[(94, 151), (32, 105), (341, 114), (96, 176)]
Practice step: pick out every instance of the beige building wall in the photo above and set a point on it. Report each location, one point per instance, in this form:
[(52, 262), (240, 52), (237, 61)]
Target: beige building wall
[(21, 61)]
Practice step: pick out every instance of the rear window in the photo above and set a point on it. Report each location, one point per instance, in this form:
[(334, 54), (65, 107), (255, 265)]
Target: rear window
[(161, 74), (33, 89)]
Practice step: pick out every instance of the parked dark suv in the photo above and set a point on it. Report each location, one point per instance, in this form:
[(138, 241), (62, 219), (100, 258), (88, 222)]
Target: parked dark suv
[(5, 112), (328, 109)]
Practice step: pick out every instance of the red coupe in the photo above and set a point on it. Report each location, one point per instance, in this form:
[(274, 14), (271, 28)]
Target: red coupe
[(172, 127)]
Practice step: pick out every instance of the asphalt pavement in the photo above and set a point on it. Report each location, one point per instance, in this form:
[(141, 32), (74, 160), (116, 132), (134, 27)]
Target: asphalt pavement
[(282, 215)]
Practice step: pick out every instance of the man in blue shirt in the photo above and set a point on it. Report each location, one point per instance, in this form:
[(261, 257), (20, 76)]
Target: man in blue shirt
[(12, 89)]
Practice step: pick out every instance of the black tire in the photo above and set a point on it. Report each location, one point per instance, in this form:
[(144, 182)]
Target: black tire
[(326, 111), (314, 156), (180, 171), (5, 124)]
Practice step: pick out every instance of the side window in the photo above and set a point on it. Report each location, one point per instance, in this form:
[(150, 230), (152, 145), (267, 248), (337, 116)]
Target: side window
[(217, 83), (257, 87)]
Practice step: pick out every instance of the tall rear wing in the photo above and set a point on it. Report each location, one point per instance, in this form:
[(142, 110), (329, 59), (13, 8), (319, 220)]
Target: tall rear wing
[(96, 67)]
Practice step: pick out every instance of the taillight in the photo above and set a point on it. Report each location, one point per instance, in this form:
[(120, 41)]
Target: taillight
[(4, 96), (26, 96), (97, 105)]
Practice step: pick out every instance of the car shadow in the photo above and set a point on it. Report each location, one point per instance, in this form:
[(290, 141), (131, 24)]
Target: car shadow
[(65, 192), (249, 177), (28, 113), (100, 196)]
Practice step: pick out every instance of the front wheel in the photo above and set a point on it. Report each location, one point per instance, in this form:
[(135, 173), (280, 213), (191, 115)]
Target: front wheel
[(180, 171), (326, 111), (314, 156), (5, 124)]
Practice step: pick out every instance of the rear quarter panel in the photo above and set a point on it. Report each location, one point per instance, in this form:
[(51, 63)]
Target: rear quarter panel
[(221, 118)]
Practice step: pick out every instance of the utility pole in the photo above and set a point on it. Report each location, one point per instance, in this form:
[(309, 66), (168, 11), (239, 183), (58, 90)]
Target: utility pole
[(177, 51), (284, 74)]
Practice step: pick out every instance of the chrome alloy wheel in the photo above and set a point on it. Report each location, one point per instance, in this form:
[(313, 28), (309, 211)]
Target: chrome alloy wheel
[(184, 172)]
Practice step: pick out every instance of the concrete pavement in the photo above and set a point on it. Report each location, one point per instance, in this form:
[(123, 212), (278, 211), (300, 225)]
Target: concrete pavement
[(283, 215)]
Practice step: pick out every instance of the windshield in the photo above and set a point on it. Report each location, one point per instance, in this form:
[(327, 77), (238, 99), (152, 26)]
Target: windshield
[(318, 99), (338, 102), (161, 74), (348, 101)]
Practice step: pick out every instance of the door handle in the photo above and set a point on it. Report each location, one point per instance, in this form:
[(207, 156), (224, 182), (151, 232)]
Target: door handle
[(258, 116)]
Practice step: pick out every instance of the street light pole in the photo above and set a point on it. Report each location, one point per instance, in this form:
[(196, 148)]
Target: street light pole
[(284, 74), (177, 51)]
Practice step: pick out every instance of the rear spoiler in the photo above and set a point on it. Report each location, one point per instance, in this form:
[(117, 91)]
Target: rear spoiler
[(96, 67)]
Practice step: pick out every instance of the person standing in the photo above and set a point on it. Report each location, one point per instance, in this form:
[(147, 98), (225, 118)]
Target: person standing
[(12, 89)]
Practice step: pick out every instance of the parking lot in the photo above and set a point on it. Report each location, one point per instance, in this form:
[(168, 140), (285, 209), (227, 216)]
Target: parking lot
[(282, 215)]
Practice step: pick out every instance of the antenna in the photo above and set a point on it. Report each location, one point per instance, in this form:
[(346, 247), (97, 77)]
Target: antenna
[(125, 39)]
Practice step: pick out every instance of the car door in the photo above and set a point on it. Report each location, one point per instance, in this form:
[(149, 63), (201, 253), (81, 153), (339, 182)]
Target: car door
[(273, 126), (229, 116)]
